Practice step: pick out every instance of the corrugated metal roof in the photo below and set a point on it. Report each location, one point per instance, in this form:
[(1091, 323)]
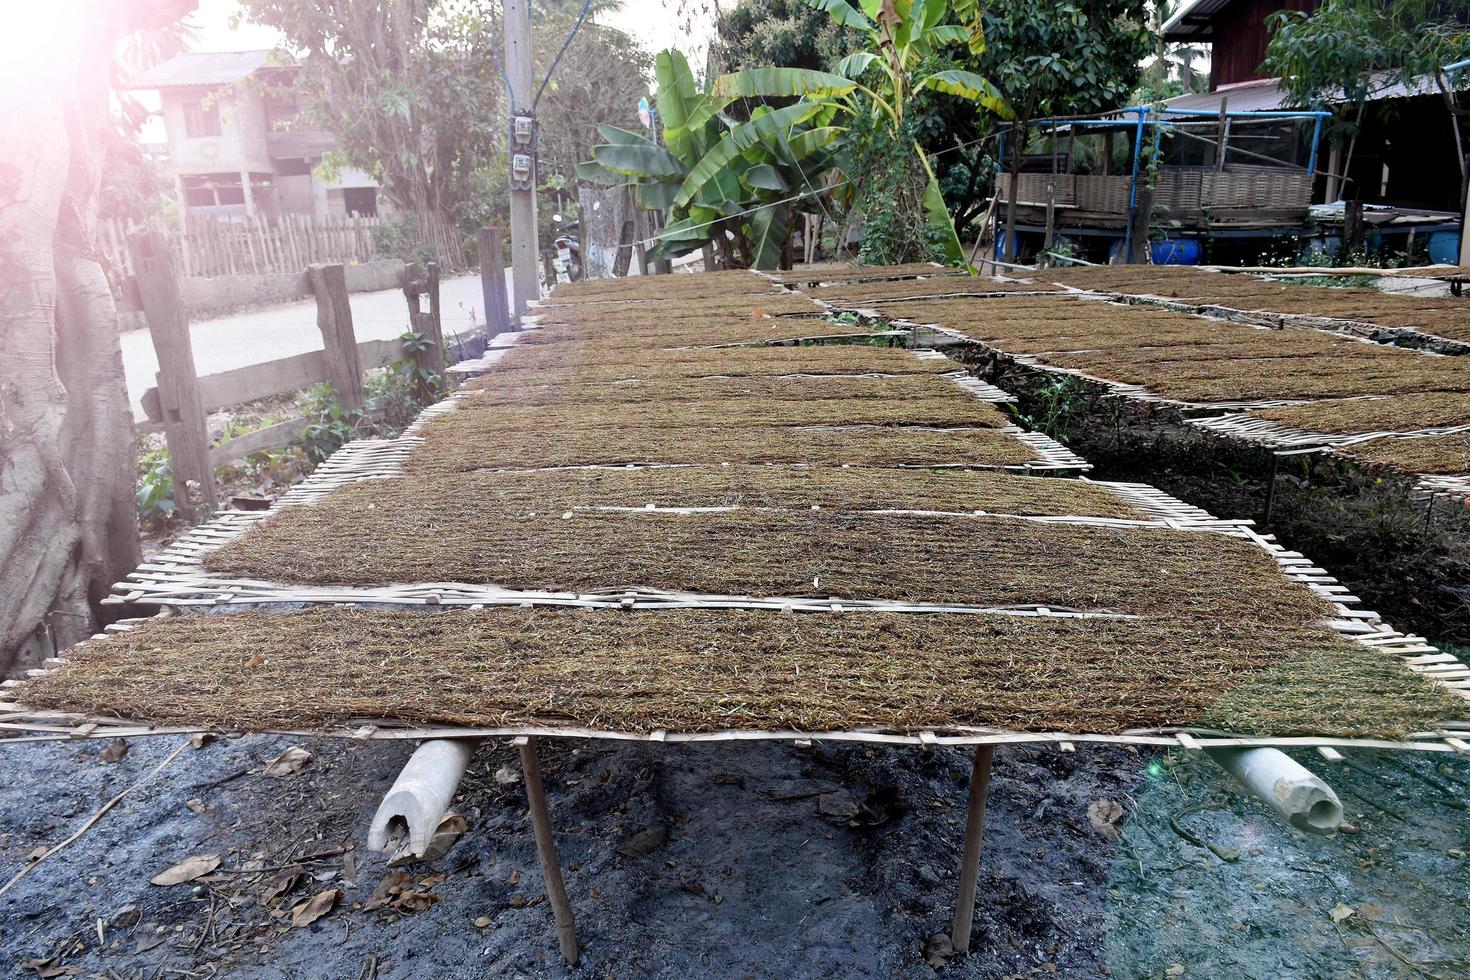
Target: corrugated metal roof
[(204, 68), (1266, 94), (1194, 20)]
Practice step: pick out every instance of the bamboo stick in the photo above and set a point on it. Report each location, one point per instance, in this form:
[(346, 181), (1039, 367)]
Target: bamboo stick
[(964, 911), (556, 892)]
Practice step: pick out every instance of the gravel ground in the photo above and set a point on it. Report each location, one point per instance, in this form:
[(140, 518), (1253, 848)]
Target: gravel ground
[(775, 861)]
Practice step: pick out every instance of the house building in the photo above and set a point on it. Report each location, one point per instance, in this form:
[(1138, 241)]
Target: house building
[(232, 147)]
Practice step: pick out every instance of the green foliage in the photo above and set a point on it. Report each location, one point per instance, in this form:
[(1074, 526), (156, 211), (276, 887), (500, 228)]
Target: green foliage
[(155, 493), (331, 428), (723, 178), (1055, 404), (790, 33), (890, 194), (403, 86), (394, 238), (1171, 71), (1339, 51), (411, 92), (1064, 57)]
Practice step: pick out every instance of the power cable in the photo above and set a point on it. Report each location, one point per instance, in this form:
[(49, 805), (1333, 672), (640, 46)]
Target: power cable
[(586, 6)]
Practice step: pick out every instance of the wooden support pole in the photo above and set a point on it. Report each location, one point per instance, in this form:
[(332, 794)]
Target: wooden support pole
[(334, 320), (1270, 503), (492, 281), (180, 406), (556, 891), (434, 322), (964, 911)]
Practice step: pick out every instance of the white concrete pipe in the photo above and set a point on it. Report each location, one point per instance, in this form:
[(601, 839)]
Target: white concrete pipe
[(1305, 801), (422, 793)]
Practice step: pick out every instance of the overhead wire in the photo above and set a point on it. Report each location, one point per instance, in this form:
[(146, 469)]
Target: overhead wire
[(586, 6)]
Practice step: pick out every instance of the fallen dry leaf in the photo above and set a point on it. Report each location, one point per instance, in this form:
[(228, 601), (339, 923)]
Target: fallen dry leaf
[(315, 907), (415, 901), (1106, 817), (387, 889), (643, 843), (187, 870), (115, 750), (288, 762), (450, 829), (282, 884)]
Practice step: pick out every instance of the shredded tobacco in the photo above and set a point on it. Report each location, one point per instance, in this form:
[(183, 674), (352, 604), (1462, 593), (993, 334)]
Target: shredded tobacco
[(699, 671), (907, 558), (458, 442)]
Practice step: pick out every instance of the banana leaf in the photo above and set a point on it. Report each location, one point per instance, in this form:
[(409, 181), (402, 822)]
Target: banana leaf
[(844, 13), (769, 228), (781, 83), (622, 137), (968, 85), (592, 172), (675, 97), (644, 161), (855, 64), (655, 196), (766, 177), (938, 217), (739, 139)]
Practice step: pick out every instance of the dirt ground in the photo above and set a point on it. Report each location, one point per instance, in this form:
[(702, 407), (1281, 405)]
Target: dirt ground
[(774, 860)]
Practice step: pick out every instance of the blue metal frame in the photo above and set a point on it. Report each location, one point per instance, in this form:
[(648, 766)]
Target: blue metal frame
[(1143, 115), (1133, 188)]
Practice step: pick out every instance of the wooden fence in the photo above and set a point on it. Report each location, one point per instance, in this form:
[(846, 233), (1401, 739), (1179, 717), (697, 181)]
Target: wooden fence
[(212, 246), (182, 399)]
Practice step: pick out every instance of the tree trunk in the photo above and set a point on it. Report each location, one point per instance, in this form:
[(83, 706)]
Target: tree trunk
[(1012, 251), (68, 521)]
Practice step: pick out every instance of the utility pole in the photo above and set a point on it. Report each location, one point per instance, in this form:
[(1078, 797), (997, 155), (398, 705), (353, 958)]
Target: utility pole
[(523, 240)]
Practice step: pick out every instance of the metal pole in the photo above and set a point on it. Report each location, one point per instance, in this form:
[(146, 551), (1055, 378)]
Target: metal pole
[(1133, 191), (964, 910), (556, 891), (523, 242)]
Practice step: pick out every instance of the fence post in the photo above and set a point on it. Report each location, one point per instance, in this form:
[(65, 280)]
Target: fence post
[(178, 384), (334, 320), (492, 281), (435, 321)]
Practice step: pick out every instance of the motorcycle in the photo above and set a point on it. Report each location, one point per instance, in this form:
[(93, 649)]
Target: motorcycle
[(566, 262)]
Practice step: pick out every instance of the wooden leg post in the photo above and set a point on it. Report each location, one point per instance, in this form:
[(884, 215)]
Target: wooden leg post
[(964, 911), (556, 892)]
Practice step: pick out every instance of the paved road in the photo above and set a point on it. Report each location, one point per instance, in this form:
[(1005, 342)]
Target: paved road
[(265, 335)]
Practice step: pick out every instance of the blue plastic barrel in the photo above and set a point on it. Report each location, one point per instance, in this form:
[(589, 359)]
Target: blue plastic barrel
[(1175, 251), (1444, 248)]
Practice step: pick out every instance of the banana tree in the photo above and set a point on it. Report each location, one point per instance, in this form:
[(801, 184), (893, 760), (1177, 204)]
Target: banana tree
[(735, 183), (903, 35)]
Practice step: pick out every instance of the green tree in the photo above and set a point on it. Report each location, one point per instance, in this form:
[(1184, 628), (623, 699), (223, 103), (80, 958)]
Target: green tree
[(408, 87), (1171, 70), (873, 90), (1063, 58), (722, 177), (790, 33), (1348, 49)]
